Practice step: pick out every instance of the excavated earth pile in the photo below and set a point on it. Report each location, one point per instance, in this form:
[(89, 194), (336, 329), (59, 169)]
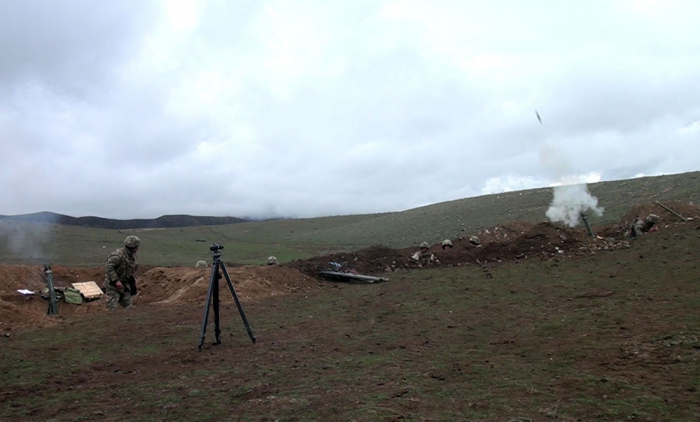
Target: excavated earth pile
[(168, 285), (510, 241), (156, 286), (18, 310), (689, 211), (513, 241)]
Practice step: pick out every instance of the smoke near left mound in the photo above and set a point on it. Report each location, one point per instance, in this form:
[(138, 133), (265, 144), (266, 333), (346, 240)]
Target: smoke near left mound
[(20, 238)]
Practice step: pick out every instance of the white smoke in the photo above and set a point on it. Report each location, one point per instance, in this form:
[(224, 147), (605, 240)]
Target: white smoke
[(20, 240), (569, 202), (571, 195)]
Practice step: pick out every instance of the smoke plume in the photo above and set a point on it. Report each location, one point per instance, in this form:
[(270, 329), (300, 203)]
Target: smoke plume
[(569, 202), (22, 241), (571, 196)]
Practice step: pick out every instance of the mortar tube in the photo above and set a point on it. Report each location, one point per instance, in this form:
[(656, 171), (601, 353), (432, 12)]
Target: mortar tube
[(53, 305), (588, 226)]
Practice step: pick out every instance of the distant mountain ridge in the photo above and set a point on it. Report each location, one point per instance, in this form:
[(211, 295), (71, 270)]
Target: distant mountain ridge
[(165, 221)]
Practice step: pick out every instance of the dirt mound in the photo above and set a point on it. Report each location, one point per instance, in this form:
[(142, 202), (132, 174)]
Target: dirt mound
[(17, 310), (372, 260), (541, 240), (168, 285), (688, 210), (515, 240), (22, 311), (504, 232), (32, 277), (15, 277), (511, 241), (156, 285)]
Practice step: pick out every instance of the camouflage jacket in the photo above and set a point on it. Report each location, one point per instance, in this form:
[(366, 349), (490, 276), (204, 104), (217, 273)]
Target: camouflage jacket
[(121, 265), (639, 227), (424, 256)]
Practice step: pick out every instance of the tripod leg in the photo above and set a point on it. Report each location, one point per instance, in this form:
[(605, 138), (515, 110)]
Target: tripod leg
[(238, 303), (214, 272), (217, 329)]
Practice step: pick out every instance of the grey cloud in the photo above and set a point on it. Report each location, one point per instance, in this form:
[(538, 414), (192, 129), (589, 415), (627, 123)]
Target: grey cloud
[(612, 99), (304, 109), (68, 45)]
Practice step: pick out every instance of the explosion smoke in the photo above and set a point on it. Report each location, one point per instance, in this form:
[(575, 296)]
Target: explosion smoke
[(571, 198), (569, 202)]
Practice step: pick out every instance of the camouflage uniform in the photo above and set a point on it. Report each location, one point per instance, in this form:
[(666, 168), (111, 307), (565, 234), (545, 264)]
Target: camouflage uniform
[(422, 252), (121, 266), (640, 226), (423, 256)]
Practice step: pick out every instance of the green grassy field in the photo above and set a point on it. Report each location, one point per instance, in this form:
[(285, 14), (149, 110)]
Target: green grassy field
[(252, 243), (613, 336)]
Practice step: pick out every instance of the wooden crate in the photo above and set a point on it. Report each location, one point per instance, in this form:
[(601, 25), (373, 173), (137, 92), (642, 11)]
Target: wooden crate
[(89, 289)]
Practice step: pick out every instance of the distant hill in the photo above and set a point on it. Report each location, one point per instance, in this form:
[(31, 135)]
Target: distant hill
[(166, 221), (183, 240)]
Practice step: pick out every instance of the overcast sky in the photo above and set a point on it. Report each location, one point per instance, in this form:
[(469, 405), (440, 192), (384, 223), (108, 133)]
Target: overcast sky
[(136, 109)]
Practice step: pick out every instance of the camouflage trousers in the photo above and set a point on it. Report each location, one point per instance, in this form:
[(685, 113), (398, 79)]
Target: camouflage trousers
[(116, 297)]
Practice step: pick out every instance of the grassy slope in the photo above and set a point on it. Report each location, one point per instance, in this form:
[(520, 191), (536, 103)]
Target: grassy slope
[(609, 337), (251, 243)]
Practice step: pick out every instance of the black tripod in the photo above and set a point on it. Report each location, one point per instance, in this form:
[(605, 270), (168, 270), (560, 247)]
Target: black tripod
[(217, 265)]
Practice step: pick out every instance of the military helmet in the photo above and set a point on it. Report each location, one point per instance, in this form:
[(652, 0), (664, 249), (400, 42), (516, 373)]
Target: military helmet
[(652, 218), (132, 241), (446, 242), (425, 245), (272, 260)]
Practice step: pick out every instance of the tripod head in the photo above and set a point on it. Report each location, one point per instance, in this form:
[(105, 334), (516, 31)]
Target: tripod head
[(215, 249)]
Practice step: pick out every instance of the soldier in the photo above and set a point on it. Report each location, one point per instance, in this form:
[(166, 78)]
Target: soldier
[(640, 226), (424, 255), (446, 245), (120, 281), (271, 260), (422, 252)]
